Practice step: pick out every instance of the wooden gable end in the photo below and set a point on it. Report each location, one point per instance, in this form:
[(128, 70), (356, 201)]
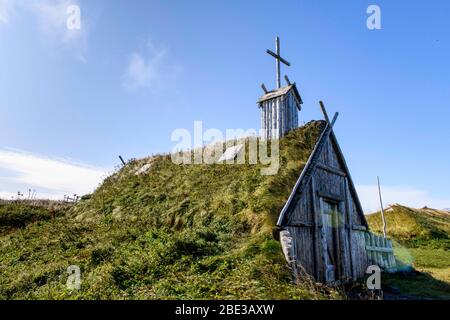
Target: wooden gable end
[(328, 168), (324, 180), (335, 180)]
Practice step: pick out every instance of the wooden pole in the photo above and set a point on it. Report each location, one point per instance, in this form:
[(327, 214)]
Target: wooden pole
[(277, 47), (278, 59), (121, 159), (382, 210), (287, 80), (264, 88), (324, 111)]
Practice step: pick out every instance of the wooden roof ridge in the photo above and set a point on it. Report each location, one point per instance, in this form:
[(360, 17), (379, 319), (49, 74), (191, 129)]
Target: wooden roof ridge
[(311, 164), (282, 91)]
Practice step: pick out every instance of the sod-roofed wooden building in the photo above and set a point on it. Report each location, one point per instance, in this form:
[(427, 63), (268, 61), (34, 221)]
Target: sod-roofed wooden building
[(322, 226)]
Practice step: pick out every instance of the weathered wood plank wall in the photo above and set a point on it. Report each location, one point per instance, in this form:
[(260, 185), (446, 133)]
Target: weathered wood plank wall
[(279, 115), (304, 221)]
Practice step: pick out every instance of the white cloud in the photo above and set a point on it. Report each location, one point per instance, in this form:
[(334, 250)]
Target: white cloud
[(149, 68), (6, 8), (405, 195), (52, 18), (51, 178)]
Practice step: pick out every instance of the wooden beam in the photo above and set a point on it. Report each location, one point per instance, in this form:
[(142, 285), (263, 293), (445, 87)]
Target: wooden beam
[(359, 228), (264, 88), (349, 233), (325, 114), (334, 119), (273, 54), (318, 266), (287, 80), (330, 196), (379, 249), (300, 224), (324, 111), (327, 168)]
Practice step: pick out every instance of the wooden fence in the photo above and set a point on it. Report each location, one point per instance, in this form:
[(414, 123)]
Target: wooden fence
[(380, 252)]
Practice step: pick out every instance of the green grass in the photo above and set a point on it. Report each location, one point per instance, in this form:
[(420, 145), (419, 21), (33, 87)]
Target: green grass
[(415, 228), (434, 258), (20, 213), (176, 232), (422, 241), (418, 285)]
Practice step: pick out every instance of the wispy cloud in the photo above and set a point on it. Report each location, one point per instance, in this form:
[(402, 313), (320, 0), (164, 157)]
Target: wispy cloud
[(52, 18), (52, 178), (6, 8), (149, 68), (405, 195)]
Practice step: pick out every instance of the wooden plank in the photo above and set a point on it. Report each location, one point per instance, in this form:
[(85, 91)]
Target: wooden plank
[(379, 254), (369, 242), (378, 249), (359, 253), (327, 195), (330, 169), (385, 254), (392, 263), (300, 224), (349, 224), (317, 232), (276, 56), (324, 111), (324, 243), (342, 248)]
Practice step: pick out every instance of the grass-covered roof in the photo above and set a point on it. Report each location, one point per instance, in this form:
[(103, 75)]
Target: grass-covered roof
[(173, 231)]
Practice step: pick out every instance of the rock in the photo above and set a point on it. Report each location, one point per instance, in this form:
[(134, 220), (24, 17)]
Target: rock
[(143, 169)]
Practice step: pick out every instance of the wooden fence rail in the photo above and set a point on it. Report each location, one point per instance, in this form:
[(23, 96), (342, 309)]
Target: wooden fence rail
[(380, 251)]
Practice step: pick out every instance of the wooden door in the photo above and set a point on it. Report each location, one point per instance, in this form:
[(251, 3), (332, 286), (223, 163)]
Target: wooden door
[(330, 239)]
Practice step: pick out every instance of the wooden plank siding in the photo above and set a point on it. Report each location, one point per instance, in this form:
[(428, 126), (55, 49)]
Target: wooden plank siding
[(305, 255), (326, 178), (279, 114)]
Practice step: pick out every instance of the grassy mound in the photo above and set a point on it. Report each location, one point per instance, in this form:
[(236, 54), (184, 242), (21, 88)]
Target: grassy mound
[(421, 239), (167, 232), (415, 228)]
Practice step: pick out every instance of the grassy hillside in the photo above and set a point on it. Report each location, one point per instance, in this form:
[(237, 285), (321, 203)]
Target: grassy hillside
[(422, 239), (18, 214), (424, 227), (174, 231)]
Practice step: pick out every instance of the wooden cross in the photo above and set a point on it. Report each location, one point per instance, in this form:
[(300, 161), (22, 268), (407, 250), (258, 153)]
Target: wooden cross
[(278, 58), (325, 114)]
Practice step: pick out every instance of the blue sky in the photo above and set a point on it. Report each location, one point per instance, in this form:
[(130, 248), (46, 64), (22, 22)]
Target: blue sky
[(71, 101)]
